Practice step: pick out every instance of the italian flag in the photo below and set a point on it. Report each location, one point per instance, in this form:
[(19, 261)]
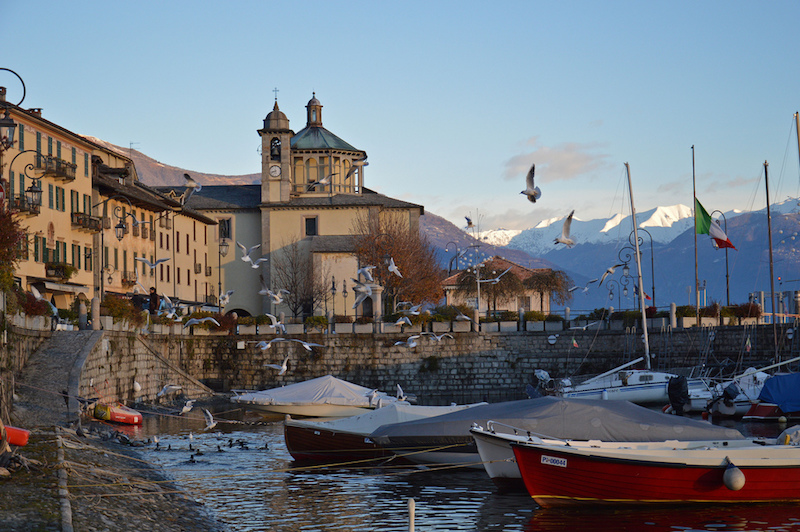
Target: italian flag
[(706, 226)]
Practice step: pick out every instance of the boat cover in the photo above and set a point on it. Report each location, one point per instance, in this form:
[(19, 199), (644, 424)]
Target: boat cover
[(369, 421), (782, 389), (555, 417), (323, 390)]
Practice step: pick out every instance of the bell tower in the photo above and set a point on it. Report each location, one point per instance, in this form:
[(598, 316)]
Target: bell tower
[(276, 165)]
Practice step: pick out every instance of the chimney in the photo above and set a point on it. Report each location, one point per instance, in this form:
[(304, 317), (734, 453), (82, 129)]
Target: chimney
[(2, 94), (36, 111)]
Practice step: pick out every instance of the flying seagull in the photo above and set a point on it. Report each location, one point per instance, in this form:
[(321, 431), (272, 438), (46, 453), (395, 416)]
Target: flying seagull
[(192, 186), (195, 321), (225, 298), (439, 337), (151, 264), (469, 221), (38, 296), (188, 406), (358, 163), (282, 368), (275, 324), (169, 388), (210, 423), (609, 271), (246, 252), (324, 181), (277, 296), (564, 238), (255, 264), (531, 191), (411, 342), (393, 267), (366, 271), (403, 321), (497, 279)]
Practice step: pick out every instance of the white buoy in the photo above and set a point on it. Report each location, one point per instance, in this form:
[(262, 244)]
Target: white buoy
[(782, 419), (604, 395), (733, 478), (410, 515)]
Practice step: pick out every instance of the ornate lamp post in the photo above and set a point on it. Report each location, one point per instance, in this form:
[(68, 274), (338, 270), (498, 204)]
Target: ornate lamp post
[(611, 284), (455, 257), (344, 295), (222, 250), (652, 261), (333, 297)]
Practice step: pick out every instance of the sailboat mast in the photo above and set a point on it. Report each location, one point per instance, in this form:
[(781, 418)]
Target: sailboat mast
[(639, 270), (694, 210), (771, 272), (797, 130)]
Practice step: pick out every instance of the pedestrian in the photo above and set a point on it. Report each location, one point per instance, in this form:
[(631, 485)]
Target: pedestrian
[(154, 301)]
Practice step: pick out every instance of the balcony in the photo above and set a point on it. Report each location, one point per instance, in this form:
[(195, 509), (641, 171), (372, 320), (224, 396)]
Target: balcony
[(58, 270), (55, 167), (208, 271), (198, 268), (145, 230), (128, 277), (91, 224), (22, 249), (153, 235), (211, 299), (21, 205), (135, 230)]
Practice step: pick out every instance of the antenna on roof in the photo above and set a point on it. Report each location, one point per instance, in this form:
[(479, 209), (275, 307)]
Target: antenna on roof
[(130, 149)]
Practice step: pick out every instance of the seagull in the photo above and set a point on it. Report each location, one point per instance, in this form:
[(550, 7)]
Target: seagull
[(151, 264), (277, 297), (169, 307), (400, 395), (306, 345), (246, 252), (414, 311), (393, 267), (358, 163), (531, 191), (411, 342), (372, 395), (210, 423), (275, 324), (564, 238), (364, 291), (169, 388), (195, 321), (192, 186), (584, 327), (403, 321), (462, 317), (187, 407), (609, 271), (225, 298), (264, 288), (255, 264), (469, 221), (39, 297), (282, 368), (496, 279), (324, 181), (439, 337), (366, 271)]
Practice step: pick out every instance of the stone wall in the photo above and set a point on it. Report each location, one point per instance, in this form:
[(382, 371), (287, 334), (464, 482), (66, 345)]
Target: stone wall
[(18, 344)]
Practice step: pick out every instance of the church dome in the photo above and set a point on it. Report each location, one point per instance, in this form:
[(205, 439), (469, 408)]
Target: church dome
[(313, 100), (276, 119)]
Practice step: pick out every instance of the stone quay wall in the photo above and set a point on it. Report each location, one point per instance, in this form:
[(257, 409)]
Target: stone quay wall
[(469, 367)]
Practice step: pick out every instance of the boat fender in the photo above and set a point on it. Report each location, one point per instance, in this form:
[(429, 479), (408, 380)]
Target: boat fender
[(667, 409), (733, 478), (604, 395)]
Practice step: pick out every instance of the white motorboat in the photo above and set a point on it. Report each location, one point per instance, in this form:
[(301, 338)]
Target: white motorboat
[(321, 397)]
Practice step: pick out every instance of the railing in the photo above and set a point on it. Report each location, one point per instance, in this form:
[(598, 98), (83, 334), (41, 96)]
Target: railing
[(135, 230), (55, 167), (21, 205), (145, 230), (91, 223), (153, 235), (211, 299), (208, 271), (128, 277), (58, 270), (198, 268)]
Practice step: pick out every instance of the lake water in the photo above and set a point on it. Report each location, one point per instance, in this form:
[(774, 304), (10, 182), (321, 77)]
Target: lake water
[(256, 486)]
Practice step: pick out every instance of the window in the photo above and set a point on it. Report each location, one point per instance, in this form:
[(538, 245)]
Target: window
[(88, 253), (275, 149), (73, 199), (311, 226), (49, 145), (58, 149), (87, 204), (225, 228), (161, 272), (161, 240), (38, 142), (50, 195), (178, 275), (188, 277), (21, 138), (187, 243), (178, 242), (85, 164), (74, 156), (10, 184)]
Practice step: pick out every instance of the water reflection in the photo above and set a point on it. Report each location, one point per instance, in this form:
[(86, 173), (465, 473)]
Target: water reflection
[(245, 475)]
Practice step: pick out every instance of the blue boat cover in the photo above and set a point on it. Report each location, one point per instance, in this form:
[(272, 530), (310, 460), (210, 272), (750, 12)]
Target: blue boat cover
[(783, 390)]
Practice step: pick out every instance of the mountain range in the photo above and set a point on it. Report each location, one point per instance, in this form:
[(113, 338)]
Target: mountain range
[(667, 259)]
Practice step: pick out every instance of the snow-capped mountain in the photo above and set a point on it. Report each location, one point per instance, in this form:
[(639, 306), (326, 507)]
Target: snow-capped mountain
[(498, 237), (663, 224)]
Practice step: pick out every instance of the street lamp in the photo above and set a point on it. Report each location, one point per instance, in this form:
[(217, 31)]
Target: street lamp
[(727, 275), (344, 295), (33, 194), (222, 250), (652, 261), (455, 257), (333, 297), (611, 283)]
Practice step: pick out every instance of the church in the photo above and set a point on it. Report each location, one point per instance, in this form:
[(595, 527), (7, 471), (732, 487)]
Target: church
[(302, 220)]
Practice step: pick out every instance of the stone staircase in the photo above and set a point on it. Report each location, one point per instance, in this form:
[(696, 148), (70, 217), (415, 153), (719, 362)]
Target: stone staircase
[(53, 369)]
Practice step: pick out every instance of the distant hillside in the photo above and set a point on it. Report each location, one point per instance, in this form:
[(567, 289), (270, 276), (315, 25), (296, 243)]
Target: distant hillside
[(154, 173)]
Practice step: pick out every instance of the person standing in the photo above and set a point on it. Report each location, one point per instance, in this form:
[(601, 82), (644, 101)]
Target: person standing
[(154, 301)]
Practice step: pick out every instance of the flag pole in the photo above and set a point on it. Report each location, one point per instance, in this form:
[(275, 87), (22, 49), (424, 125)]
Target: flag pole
[(694, 210)]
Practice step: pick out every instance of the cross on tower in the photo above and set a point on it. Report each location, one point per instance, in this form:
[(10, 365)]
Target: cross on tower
[(275, 90)]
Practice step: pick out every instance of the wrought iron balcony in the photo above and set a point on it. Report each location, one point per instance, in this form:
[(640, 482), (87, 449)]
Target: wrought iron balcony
[(85, 221), (198, 268), (55, 167), (211, 299), (58, 270), (128, 277), (145, 231), (208, 271), (20, 204)]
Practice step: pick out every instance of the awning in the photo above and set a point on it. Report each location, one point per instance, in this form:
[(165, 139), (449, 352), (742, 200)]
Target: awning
[(60, 287)]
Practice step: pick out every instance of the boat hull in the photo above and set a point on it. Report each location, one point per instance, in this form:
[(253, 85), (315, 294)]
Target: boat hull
[(309, 444), (499, 461), (117, 414), (306, 410), (767, 412), (554, 477)]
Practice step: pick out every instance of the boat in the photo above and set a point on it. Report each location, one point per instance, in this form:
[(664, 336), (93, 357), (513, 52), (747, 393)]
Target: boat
[(585, 419), (324, 396), (14, 435), (779, 398), (669, 472), (118, 413), (347, 439)]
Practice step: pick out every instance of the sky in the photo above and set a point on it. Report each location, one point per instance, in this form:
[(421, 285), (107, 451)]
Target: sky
[(452, 101)]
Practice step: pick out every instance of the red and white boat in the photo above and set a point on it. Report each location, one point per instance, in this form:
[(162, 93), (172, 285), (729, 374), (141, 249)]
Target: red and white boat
[(117, 413), (669, 472), (779, 398)]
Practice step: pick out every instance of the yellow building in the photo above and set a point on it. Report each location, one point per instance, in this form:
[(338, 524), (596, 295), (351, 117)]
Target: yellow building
[(304, 216)]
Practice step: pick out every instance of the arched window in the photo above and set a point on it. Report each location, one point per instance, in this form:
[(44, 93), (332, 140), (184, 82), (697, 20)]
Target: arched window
[(275, 149)]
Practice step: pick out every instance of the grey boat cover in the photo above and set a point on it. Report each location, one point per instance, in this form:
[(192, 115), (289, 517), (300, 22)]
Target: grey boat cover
[(322, 390), (554, 417)]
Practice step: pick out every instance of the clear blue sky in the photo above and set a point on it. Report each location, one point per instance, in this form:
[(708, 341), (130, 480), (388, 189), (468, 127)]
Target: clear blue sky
[(451, 100)]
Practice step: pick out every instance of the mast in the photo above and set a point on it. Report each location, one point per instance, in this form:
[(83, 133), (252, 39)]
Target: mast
[(696, 281), (639, 270), (771, 272)]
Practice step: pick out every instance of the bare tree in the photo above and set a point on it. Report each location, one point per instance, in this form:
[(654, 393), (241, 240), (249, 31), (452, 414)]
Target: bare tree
[(507, 286), (554, 283), (294, 271)]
